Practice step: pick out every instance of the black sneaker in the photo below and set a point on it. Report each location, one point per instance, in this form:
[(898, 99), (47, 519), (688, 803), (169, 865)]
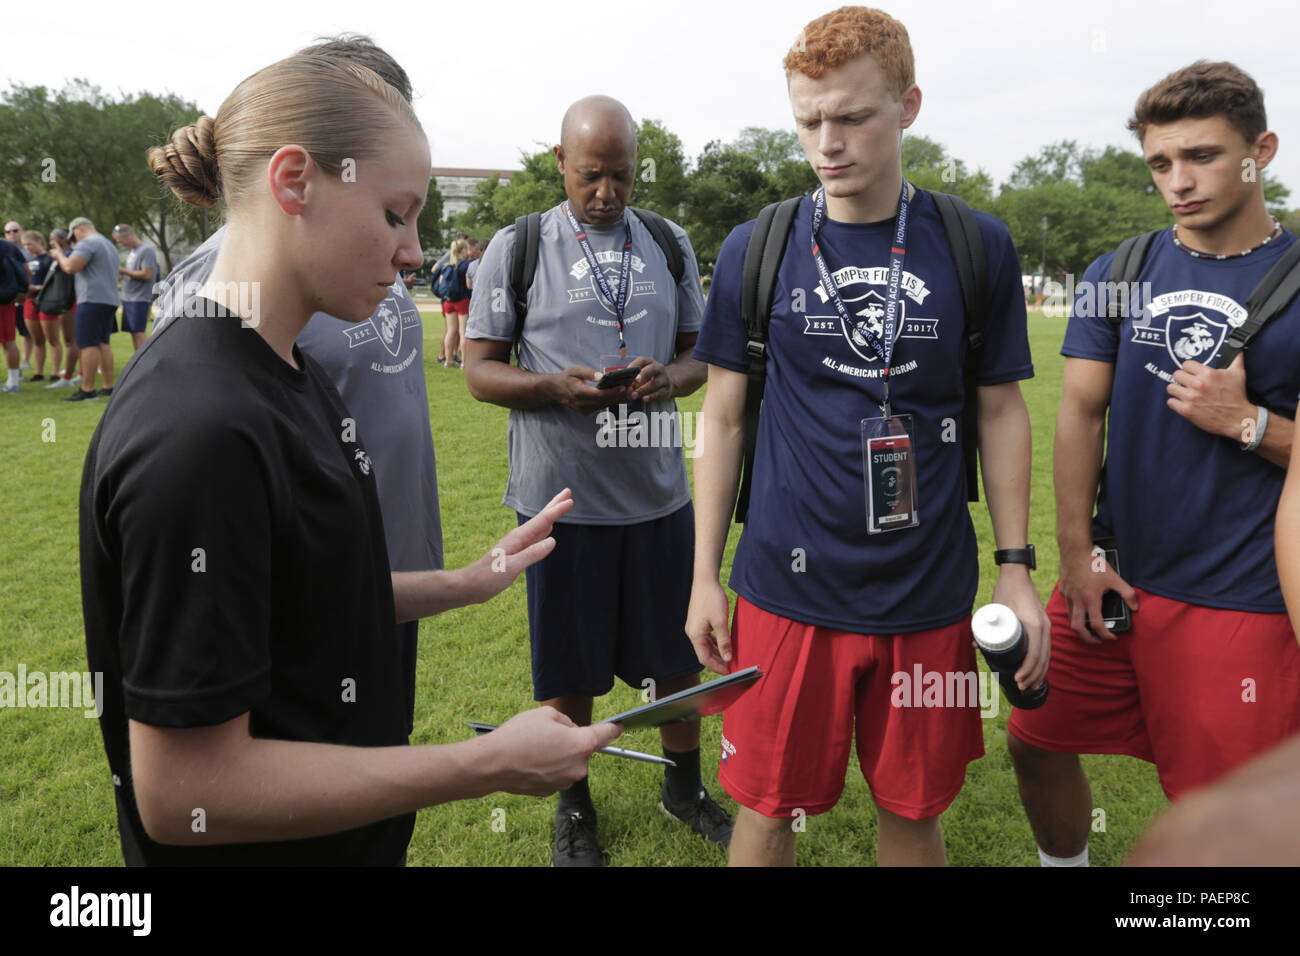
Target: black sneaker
[(700, 814), (36, 378), (106, 391), (82, 396), (575, 840)]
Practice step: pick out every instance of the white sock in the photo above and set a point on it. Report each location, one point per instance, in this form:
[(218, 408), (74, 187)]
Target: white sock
[(1080, 860), (14, 377)]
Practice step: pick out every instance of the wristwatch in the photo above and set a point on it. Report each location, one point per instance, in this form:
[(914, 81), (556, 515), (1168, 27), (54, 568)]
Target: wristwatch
[(1023, 555)]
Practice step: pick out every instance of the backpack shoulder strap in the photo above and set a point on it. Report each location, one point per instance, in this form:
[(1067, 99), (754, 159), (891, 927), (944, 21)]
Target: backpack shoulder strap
[(1124, 269), (663, 234), (528, 233), (1273, 294), (757, 285), (967, 248)]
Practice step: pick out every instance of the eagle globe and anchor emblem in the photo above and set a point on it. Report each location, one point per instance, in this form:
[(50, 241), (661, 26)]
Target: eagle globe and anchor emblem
[(871, 322), (1194, 338), (387, 321)]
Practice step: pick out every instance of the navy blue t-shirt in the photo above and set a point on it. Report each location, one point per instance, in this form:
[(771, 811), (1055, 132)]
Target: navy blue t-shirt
[(39, 267), (805, 553), (1191, 512)]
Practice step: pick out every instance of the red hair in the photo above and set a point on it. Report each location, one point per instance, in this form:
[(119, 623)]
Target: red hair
[(847, 33)]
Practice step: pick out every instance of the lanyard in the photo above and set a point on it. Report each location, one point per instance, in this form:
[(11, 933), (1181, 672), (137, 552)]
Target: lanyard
[(624, 285), (884, 350)]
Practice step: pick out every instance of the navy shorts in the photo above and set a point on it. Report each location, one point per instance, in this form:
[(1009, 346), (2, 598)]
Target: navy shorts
[(610, 601), (135, 316), (95, 322)]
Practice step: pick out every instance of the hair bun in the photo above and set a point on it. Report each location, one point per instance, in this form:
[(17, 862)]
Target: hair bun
[(188, 164)]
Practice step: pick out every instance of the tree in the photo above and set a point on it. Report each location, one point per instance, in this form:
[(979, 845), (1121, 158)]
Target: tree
[(727, 187), (79, 152), (1092, 200), (928, 165), (429, 226), (771, 148), (661, 170)]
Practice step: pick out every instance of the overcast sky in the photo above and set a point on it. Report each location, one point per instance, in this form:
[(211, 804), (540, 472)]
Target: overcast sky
[(1000, 78)]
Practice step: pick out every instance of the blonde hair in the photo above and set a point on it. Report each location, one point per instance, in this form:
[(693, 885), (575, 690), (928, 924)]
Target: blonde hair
[(34, 237), (325, 105), (459, 250)]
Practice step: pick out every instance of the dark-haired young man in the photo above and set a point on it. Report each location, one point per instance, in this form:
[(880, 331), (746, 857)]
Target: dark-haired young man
[(1196, 457), (830, 612)]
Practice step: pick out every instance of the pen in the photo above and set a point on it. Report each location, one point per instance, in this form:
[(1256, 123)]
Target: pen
[(612, 751)]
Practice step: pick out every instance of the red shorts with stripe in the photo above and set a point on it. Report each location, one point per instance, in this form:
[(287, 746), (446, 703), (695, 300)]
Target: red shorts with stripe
[(8, 322), (1194, 690), (786, 743)]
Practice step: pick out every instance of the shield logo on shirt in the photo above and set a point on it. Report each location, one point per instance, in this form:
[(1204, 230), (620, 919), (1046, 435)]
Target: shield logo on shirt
[(612, 276), (867, 314), (1194, 338), (387, 321)]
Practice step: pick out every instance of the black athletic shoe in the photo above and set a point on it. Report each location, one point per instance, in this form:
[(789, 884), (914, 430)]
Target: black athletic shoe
[(82, 396), (700, 814), (106, 391), (575, 840), (36, 378)]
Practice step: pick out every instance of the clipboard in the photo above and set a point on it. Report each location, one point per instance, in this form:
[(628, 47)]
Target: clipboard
[(707, 699)]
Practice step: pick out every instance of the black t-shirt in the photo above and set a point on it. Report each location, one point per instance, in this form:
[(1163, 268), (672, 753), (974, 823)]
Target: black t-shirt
[(233, 561)]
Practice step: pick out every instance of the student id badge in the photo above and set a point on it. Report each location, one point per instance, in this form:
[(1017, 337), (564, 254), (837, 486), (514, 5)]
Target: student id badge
[(889, 463)]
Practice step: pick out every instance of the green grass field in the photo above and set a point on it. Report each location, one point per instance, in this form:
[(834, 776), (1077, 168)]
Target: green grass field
[(56, 798)]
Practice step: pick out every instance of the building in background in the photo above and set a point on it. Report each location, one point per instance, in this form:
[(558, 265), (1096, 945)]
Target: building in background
[(457, 186)]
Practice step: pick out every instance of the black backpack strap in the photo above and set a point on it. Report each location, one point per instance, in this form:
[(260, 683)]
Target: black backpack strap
[(1266, 301), (528, 237), (967, 248), (757, 285), (1124, 269), (663, 234)]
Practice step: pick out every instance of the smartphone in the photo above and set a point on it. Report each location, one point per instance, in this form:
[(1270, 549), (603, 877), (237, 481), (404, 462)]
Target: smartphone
[(1115, 614), (619, 376)]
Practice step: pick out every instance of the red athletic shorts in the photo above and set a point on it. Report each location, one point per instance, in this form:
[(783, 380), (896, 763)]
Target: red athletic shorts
[(8, 322), (459, 307), (30, 314), (1194, 690), (785, 743)]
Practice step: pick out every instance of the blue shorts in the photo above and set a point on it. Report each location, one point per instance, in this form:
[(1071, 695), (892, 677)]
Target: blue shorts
[(610, 601), (95, 322), (135, 316)]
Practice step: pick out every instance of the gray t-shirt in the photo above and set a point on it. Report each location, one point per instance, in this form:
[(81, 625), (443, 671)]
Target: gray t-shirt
[(619, 475), (97, 282), (378, 368), (140, 290)]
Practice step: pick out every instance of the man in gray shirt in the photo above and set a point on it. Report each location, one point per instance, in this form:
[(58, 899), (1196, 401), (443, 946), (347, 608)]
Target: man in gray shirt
[(137, 282), (611, 600), (93, 265)]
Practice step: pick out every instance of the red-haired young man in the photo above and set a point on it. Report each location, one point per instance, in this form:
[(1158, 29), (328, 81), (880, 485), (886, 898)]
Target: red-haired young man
[(1209, 674), (832, 614)]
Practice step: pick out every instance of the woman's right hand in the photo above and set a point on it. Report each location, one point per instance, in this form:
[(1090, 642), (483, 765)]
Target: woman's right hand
[(541, 751)]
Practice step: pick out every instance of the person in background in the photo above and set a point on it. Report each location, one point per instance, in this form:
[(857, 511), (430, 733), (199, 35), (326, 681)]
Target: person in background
[(456, 304), (137, 283), (94, 264), (45, 329), (67, 324)]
